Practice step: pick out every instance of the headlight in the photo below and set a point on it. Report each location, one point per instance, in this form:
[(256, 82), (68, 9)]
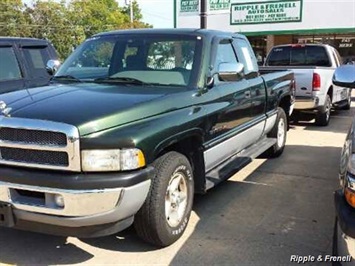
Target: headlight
[(111, 160)]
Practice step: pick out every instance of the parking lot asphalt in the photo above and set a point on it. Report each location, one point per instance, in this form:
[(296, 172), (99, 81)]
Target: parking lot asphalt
[(270, 210)]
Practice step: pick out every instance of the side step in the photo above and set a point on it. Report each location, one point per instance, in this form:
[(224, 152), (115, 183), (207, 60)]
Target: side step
[(237, 162)]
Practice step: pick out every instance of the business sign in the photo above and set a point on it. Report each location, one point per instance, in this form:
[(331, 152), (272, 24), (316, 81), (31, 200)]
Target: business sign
[(219, 5), (266, 12), (189, 6)]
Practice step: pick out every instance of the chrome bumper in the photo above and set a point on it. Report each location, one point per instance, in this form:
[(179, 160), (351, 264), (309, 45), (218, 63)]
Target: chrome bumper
[(306, 103), (80, 208)]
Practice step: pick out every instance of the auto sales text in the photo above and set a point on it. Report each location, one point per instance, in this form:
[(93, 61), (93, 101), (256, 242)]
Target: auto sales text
[(326, 258)]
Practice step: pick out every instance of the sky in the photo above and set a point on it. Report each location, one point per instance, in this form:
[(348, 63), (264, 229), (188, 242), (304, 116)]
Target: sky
[(158, 13)]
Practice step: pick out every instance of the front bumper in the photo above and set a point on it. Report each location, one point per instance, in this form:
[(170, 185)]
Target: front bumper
[(87, 211)]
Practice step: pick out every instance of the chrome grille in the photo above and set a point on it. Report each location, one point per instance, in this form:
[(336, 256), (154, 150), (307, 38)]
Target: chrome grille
[(39, 144), (34, 156), (39, 137)]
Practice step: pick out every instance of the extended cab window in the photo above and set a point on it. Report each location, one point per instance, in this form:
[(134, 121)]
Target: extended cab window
[(9, 68), (246, 56), (298, 55)]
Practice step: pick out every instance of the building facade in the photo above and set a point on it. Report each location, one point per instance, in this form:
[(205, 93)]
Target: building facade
[(271, 22)]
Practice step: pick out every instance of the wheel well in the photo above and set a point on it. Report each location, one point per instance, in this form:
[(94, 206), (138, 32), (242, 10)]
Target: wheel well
[(330, 93), (191, 147)]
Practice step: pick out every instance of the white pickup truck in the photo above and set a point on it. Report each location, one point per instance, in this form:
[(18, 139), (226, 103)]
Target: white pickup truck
[(313, 66)]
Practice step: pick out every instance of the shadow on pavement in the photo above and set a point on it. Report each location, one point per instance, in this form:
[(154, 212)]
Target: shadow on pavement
[(125, 241), (26, 248), (278, 211), (336, 123)]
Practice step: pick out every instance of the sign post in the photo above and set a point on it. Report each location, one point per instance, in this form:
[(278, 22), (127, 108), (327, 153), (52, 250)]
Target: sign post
[(189, 6)]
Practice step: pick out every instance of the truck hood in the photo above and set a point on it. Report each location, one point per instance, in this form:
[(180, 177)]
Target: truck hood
[(91, 107)]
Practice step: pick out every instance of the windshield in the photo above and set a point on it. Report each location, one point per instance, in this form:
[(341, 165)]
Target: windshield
[(138, 59), (299, 55)]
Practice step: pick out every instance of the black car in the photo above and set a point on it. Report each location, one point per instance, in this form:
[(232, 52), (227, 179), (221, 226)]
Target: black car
[(23, 63), (344, 245)]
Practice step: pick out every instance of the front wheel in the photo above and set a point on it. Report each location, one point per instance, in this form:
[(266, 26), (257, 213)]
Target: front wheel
[(348, 103), (164, 216)]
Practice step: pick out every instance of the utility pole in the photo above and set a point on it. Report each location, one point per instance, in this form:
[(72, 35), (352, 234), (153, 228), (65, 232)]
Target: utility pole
[(203, 14), (130, 3), (131, 11)]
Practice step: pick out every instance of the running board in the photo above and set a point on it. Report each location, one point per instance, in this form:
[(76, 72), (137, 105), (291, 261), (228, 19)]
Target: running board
[(237, 162)]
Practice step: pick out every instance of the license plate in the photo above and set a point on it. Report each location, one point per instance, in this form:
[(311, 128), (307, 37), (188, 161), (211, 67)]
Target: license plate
[(6, 215)]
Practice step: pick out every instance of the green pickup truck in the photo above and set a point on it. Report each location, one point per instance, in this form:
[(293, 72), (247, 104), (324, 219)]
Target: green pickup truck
[(133, 124)]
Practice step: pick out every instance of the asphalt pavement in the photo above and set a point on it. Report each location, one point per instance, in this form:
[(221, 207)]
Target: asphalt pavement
[(263, 215)]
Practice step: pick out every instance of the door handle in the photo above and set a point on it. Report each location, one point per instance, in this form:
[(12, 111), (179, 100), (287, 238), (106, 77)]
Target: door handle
[(247, 94)]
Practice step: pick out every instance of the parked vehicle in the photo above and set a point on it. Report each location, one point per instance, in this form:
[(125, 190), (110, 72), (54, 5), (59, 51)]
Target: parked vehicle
[(23, 63), (313, 66), (119, 138), (345, 197)]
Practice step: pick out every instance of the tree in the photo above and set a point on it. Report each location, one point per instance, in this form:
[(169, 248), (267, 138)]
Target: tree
[(50, 20), (13, 21), (137, 12), (137, 16), (96, 16), (66, 23)]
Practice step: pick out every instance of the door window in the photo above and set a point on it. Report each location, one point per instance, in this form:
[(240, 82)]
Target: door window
[(37, 58), (225, 53), (9, 68)]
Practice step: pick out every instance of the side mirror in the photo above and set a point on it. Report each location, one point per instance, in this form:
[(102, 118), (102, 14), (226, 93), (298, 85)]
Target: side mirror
[(52, 66), (344, 76), (230, 71)]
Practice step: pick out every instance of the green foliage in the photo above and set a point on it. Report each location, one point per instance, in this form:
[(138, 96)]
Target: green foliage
[(65, 23), (96, 15), (12, 19), (50, 20), (137, 12)]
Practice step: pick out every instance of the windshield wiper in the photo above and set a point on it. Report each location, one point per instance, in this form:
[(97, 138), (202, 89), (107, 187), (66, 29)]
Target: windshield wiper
[(66, 78), (126, 80)]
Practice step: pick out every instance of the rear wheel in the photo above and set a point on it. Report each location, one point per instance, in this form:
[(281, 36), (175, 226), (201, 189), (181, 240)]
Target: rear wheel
[(279, 132), (323, 115), (164, 216)]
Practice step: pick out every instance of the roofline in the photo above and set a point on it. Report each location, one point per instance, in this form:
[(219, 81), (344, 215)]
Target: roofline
[(187, 31), (304, 44)]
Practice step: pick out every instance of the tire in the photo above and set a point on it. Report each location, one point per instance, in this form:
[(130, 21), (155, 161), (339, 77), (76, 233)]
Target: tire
[(279, 131), (295, 117), (165, 214), (323, 115), (348, 103)]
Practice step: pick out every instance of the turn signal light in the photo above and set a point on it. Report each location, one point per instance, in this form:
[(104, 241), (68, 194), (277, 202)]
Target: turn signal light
[(350, 197)]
